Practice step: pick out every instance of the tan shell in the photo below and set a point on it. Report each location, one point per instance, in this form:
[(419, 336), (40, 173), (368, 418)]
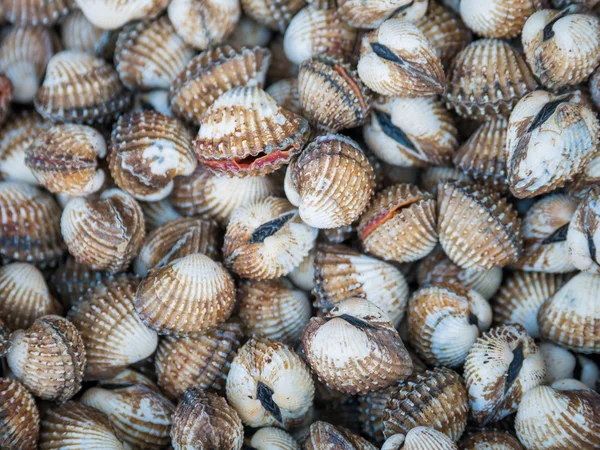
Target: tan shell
[(370, 13), (113, 334), (561, 364), (275, 14), (81, 88), (285, 93), (490, 440), (270, 438), (71, 280), (64, 159), (497, 18), (280, 66), (205, 420), (149, 55), (266, 239), (212, 73), (79, 34), (432, 176), (583, 236), (477, 227), (331, 182), (303, 275), (324, 436), (250, 33), (113, 14), (245, 132), (19, 416), (157, 214), (420, 438), (129, 377), (36, 12), (486, 79), (30, 225)]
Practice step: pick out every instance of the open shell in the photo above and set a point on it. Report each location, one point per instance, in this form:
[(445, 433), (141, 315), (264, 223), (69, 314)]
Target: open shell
[(78, 33), (113, 14), (583, 236), (19, 416), (497, 18), (274, 14)]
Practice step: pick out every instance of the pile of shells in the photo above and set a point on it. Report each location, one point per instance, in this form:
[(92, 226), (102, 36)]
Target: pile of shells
[(300, 224)]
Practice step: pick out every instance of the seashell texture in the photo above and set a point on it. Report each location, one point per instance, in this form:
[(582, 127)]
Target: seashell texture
[(433, 175), (156, 100), (64, 159), (71, 280), (204, 23), (36, 12), (205, 420), (420, 438), (355, 348), (519, 298), (270, 438), (324, 436), (490, 439), (303, 275), (274, 14), (444, 321), (318, 32), (285, 93), (79, 34), (113, 334), (29, 225), (140, 416), (332, 95), (561, 47), (486, 79), (74, 426), (477, 227), (411, 132), (371, 407), (398, 60), (19, 416), (561, 364), (269, 385), (245, 132), (157, 214), (549, 419), (250, 33), (371, 13), (571, 316), (266, 239), (497, 18), (341, 273), (202, 362), (399, 224), (147, 151), (501, 367), (280, 66), (150, 55), (48, 358), (435, 398), (81, 88), (212, 73), (104, 233), (550, 138), (273, 309), (583, 235), (4, 338), (331, 182), (113, 14), (128, 377)]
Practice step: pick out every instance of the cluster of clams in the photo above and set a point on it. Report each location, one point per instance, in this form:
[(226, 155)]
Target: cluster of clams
[(300, 224)]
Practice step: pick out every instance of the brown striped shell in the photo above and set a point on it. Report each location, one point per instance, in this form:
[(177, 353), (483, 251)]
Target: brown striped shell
[(271, 438), (79, 34), (274, 14), (157, 214), (420, 438), (71, 280), (370, 13), (371, 407), (583, 234), (325, 436), (36, 12), (113, 14), (19, 416), (497, 18), (489, 440)]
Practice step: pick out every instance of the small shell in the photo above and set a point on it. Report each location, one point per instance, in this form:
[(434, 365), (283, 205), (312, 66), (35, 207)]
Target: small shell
[(583, 236), (250, 33), (275, 14), (432, 176), (64, 159), (324, 436), (71, 280), (156, 100), (36, 12), (571, 317), (477, 227), (303, 275), (81, 88), (113, 14), (204, 420), (266, 239), (420, 438), (149, 55), (19, 416), (269, 385), (285, 93), (157, 214), (370, 13), (486, 79), (270, 438), (331, 182), (490, 440), (561, 364), (497, 18), (79, 34), (501, 367)]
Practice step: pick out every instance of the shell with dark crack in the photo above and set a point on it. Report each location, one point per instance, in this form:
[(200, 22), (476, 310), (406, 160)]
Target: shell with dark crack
[(19, 416)]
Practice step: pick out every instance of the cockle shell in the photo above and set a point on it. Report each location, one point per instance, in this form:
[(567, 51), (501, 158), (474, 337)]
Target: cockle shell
[(583, 236), (113, 14), (486, 79), (36, 12), (271, 438), (19, 416), (275, 14), (371, 407), (497, 18), (561, 364), (501, 367), (128, 377), (433, 175), (269, 385), (303, 275), (324, 436), (355, 348), (420, 438), (285, 93), (71, 280), (79, 34), (250, 33), (186, 297), (490, 440), (157, 214), (370, 13)]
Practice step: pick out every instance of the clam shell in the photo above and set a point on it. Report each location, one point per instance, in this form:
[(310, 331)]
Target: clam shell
[(372, 406), (497, 18), (79, 34), (19, 416), (487, 78), (156, 100), (303, 275), (157, 214), (285, 93), (322, 4), (71, 280), (36, 12), (274, 14), (561, 364), (250, 33), (490, 439), (432, 176), (583, 236), (113, 14), (324, 436), (270, 438), (129, 377), (371, 13), (420, 438)]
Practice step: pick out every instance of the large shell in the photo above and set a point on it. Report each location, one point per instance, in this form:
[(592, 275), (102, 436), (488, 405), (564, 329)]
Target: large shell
[(81, 88), (71, 280), (269, 385), (113, 14), (78, 33), (561, 364), (324, 436), (370, 13), (501, 367), (490, 440), (583, 236), (487, 78), (497, 18), (275, 14), (420, 438), (36, 12), (19, 416)]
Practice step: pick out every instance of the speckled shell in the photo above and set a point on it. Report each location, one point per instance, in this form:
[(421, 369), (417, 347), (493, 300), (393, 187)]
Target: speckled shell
[(490, 440), (30, 225), (36, 12), (202, 362), (19, 416), (274, 14), (420, 438), (332, 95), (501, 367), (113, 14), (285, 93), (549, 419), (266, 239), (550, 139), (64, 159), (486, 79), (157, 214), (370, 13), (113, 334), (81, 88), (104, 233), (583, 236), (571, 317), (325, 436), (79, 34), (435, 398), (149, 55), (212, 73), (269, 385), (411, 132), (245, 132), (561, 364), (6, 95), (270, 438), (331, 182), (71, 280), (497, 18)]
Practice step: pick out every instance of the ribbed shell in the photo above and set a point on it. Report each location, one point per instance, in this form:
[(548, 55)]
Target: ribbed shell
[(285, 93), (202, 362), (64, 159), (212, 73), (79, 34), (370, 13), (19, 416), (270, 438), (113, 14), (128, 377), (113, 334), (487, 78), (245, 132), (497, 18), (81, 88), (275, 14), (432, 176), (325, 436), (6, 95), (36, 12), (490, 440), (477, 227), (71, 280), (583, 236), (420, 438), (157, 214)]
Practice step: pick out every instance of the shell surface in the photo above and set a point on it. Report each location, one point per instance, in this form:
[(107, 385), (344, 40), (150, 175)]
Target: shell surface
[(71, 280), (371, 13), (583, 236), (490, 439), (497, 18), (113, 14), (274, 14), (36, 12), (19, 416), (420, 438), (325, 436), (78, 33)]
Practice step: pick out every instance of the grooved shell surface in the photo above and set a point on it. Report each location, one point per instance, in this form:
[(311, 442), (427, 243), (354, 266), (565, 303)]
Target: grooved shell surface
[(370, 13), (490, 440), (275, 14), (113, 14), (583, 236), (19, 416), (497, 18), (36, 12), (325, 436), (78, 33), (420, 438), (285, 93), (72, 280)]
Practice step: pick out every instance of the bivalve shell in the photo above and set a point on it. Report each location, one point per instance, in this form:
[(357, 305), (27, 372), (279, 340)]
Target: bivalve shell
[(420, 438), (79, 34), (157, 214), (270, 438), (370, 13), (36, 12), (490, 440), (325, 436), (303, 275), (433, 175), (275, 14), (583, 236), (561, 365), (113, 14), (250, 33), (285, 93), (71, 280), (497, 18), (19, 416)]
